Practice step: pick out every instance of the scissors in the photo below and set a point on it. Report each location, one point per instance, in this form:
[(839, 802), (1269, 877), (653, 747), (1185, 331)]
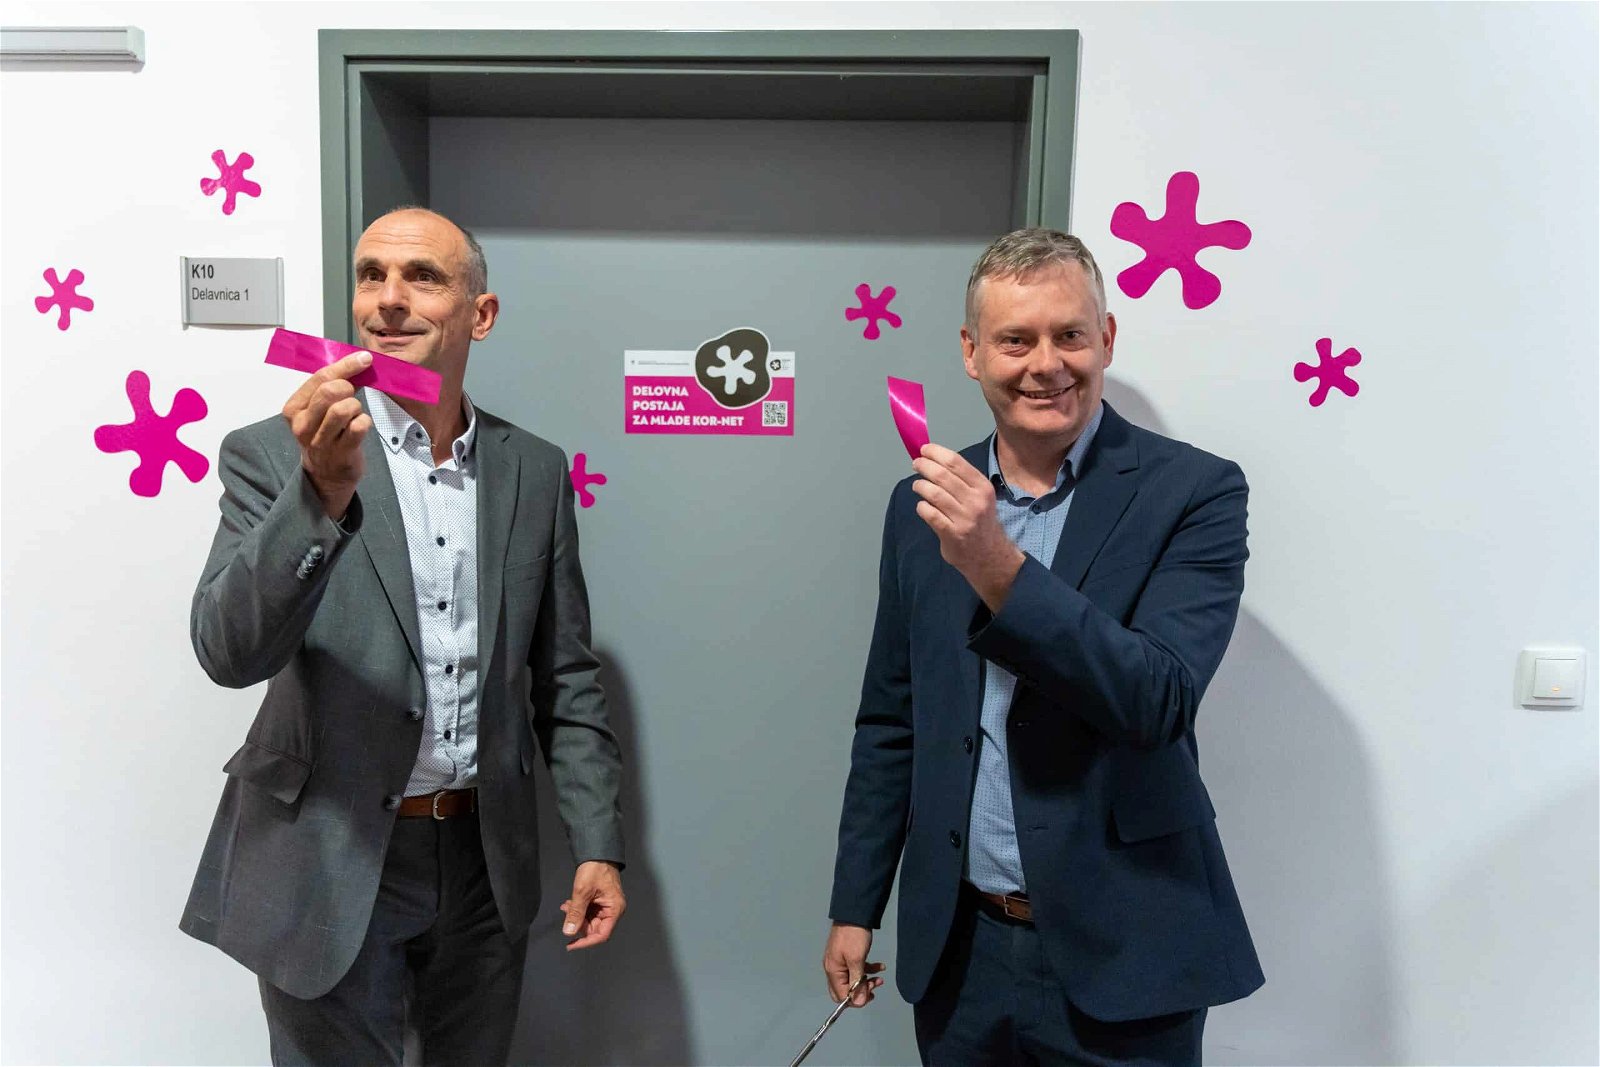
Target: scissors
[(837, 1011)]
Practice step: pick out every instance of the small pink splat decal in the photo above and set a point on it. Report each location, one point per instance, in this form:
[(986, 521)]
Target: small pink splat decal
[(64, 297), (873, 308), (155, 437), (582, 479), (1172, 242), (231, 179), (1330, 371)]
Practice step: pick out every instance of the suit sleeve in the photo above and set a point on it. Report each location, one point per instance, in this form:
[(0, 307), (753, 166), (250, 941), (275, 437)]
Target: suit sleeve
[(1137, 684), (270, 561), (569, 707), (877, 795)]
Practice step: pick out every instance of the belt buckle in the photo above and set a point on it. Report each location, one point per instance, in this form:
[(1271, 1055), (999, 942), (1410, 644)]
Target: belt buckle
[(436, 797), (1023, 909)]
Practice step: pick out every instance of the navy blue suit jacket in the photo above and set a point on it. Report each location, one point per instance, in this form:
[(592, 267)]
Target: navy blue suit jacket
[(1113, 647)]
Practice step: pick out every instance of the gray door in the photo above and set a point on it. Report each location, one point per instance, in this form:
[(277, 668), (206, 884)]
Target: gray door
[(733, 578)]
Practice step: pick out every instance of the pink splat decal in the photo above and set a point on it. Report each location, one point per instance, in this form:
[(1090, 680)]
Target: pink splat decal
[(155, 437), (1330, 371), (1172, 242), (231, 179), (64, 297), (873, 308), (582, 479)]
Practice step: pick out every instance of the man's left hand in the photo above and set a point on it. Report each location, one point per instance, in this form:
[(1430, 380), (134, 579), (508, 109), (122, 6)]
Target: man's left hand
[(595, 905), (958, 505)]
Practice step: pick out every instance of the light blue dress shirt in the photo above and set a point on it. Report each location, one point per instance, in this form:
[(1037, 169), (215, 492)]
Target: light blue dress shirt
[(1034, 525), (439, 506)]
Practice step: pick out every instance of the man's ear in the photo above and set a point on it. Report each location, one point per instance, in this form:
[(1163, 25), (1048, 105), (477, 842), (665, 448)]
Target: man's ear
[(486, 309), (1109, 337), (969, 353)]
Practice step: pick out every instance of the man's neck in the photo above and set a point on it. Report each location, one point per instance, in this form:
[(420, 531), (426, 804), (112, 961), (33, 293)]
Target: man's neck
[(444, 421), (1031, 465)]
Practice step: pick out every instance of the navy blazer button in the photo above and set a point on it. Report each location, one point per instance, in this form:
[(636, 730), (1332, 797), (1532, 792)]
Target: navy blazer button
[(415, 714), (955, 839), (315, 552), (391, 802), (966, 744)]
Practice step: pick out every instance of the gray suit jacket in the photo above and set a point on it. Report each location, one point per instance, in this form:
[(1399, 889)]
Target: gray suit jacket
[(290, 872)]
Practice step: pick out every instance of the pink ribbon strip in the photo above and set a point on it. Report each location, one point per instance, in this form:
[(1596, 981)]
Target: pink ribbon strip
[(303, 352), (910, 413)]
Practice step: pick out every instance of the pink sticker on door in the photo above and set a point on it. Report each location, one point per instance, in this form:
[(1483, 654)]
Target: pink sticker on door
[(731, 384)]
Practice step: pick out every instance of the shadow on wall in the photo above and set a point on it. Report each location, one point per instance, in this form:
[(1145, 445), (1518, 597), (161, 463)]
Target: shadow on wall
[(1297, 814), (621, 1002)]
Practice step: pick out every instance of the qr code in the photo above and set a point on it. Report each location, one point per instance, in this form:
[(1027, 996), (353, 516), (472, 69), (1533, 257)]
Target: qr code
[(774, 413)]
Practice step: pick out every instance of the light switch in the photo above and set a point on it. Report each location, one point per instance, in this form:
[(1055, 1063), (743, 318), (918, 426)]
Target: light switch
[(1551, 677)]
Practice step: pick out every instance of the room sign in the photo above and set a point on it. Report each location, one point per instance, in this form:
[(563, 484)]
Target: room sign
[(231, 292)]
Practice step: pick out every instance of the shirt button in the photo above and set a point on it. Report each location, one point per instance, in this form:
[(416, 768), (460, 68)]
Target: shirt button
[(391, 802), (955, 839), (1036, 509), (394, 440), (440, 540), (443, 604), (966, 744), (449, 668), (433, 479), (448, 735), (415, 714)]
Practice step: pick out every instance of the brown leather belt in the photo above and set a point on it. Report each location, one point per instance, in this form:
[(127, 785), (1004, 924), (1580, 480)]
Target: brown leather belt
[(444, 804), (1013, 906)]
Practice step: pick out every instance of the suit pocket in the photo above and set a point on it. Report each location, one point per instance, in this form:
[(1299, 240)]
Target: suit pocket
[(277, 774), (1159, 793), (525, 570)]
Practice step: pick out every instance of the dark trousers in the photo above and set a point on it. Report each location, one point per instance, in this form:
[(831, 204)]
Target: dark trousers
[(435, 954), (995, 1000)]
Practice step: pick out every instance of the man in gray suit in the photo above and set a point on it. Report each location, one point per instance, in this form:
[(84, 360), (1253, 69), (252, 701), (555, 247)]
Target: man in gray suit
[(414, 600)]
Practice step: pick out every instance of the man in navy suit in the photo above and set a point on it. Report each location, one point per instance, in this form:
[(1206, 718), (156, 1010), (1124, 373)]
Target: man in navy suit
[(1053, 602)]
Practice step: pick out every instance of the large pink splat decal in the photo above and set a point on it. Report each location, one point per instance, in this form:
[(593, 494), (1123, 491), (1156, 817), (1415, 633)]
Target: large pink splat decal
[(155, 437), (1330, 371), (582, 479), (1172, 242), (64, 297), (231, 179), (872, 308)]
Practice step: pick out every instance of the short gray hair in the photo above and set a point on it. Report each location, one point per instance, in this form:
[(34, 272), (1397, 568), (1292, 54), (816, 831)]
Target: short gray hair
[(477, 265), (1022, 253)]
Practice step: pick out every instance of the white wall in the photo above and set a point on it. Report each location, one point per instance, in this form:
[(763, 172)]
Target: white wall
[(1417, 856)]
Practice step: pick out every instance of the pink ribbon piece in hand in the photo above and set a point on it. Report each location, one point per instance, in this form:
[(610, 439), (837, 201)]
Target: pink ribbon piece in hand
[(910, 413), (303, 352)]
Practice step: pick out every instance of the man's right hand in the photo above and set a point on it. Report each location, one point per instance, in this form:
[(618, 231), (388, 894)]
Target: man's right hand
[(843, 961), (326, 417)]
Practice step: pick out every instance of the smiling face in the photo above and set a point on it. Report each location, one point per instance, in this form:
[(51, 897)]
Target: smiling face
[(1039, 348), (412, 299)]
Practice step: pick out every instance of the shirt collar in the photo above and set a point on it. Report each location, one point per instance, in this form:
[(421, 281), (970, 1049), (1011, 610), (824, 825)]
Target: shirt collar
[(1071, 466), (393, 423)]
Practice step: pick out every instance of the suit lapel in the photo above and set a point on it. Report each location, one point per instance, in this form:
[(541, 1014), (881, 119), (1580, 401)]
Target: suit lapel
[(383, 533), (499, 474), (1103, 493), (970, 664)]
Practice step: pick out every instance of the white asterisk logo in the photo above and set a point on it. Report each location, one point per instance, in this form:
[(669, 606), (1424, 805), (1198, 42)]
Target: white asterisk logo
[(732, 371)]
